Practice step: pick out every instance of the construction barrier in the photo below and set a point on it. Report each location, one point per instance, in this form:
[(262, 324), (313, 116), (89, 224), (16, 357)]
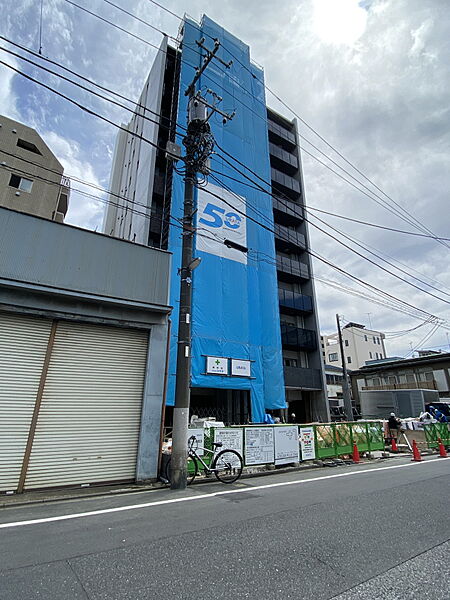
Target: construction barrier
[(434, 431), (286, 444)]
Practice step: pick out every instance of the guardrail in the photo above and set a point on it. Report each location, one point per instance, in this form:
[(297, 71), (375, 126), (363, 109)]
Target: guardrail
[(436, 431)]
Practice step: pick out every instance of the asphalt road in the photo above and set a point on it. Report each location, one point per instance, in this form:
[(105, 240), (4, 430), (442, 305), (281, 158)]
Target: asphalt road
[(367, 531)]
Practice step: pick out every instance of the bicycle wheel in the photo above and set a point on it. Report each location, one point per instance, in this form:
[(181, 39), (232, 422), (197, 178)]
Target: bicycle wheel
[(227, 466), (192, 470)]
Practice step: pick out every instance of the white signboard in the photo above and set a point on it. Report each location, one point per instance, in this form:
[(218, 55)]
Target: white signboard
[(259, 445), (215, 365), (286, 445), (306, 439), (231, 439), (221, 217), (241, 367), (199, 434)]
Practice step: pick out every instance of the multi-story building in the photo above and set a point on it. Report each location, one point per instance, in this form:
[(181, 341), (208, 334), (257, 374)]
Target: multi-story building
[(254, 311), (360, 346), (31, 178), (403, 385)]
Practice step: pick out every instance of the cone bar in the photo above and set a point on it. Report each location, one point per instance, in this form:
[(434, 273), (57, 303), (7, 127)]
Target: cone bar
[(355, 457), (442, 450)]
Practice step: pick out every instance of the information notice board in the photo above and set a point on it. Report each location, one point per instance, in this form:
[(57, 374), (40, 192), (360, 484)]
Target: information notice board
[(259, 445), (200, 439), (231, 438), (306, 438), (286, 445)]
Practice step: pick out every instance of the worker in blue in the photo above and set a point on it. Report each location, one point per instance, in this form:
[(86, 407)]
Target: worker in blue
[(438, 415)]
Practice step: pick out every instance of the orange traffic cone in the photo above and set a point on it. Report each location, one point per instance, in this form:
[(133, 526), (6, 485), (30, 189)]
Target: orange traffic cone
[(355, 456), (442, 450), (394, 445), (416, 454)]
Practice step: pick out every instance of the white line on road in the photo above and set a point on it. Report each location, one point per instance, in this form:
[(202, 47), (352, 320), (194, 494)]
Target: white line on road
[(105, 511)]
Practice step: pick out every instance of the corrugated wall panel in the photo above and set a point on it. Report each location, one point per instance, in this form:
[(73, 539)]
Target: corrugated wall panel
[(23, 344), (88, 426)]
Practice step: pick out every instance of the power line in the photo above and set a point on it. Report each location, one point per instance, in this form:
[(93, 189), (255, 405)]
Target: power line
[(418, 224)]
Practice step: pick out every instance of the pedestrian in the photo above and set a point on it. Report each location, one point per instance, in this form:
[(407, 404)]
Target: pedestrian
[(438, 415), (394, 425)]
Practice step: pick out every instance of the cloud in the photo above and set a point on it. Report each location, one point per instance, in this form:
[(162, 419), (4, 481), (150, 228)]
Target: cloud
[(370, 76)]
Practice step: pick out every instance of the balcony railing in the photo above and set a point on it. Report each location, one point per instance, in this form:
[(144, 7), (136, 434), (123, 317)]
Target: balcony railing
[(286, 181), (292, 268), (297, 337), (281, 132), (283, 159), (287, 207), (290, 237), (299, 377), (293, 302), (411, 385)]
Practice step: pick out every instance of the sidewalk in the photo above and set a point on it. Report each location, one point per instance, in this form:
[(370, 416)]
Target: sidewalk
[(75, 493)]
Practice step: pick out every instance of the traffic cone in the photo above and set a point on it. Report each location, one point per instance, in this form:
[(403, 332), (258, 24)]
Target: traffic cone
[(442, 450), (416, 454), (394, 446), (355, 456)]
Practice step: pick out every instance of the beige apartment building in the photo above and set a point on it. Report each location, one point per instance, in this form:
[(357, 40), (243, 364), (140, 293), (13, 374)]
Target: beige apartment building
[(361, 345), (31, 177)]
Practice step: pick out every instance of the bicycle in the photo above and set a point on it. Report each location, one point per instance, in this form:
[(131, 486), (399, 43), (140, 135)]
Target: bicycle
[(226, 465)]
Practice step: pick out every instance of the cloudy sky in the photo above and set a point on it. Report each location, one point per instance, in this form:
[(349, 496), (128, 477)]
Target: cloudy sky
[(371, 77)]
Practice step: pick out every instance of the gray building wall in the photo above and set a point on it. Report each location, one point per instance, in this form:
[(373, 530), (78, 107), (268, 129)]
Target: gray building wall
[(49, 193), (58, 271), (132, 175)]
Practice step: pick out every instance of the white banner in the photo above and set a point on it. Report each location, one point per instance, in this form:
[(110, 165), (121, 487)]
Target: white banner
[(242, 368), (286, 445), (220, 219), (306, 438), (259, 445), (216, 365)]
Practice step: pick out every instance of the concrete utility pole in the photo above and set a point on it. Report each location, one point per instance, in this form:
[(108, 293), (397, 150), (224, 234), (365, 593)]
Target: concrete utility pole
[(345, 387), (199, 144)]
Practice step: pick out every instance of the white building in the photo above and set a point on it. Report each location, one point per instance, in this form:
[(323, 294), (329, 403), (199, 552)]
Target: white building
[(360, 346)]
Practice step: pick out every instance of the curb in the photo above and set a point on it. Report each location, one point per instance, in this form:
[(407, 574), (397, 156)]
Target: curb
[(82, 493)]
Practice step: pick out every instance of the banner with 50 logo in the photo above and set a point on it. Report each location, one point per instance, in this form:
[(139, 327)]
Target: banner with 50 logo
[(219, 220)]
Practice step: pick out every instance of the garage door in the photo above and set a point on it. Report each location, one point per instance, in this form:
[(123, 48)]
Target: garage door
[(88, 425), (23, 344)]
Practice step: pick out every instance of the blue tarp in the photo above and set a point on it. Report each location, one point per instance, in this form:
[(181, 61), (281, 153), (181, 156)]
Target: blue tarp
[(235, 298)]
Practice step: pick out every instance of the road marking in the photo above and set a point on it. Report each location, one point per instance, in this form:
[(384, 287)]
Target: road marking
[(105, 511)]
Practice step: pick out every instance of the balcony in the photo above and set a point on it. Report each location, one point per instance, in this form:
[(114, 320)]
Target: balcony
[(410, 385), (292, 302), (285, 184), (307, 379), (287, 210), (280, 133), (291, 270), (282, 159), (287, 240), (297, 338)]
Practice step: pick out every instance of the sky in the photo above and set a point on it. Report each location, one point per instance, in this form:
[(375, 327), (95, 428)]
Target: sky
[(371, 77)]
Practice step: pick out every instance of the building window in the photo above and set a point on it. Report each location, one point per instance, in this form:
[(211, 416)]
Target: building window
[(349, 359), (290, 362), (345, 342), (365, 338), (333, 357), (28, 146), (370, 355), (20, 183), (374, 340), (378, 340)]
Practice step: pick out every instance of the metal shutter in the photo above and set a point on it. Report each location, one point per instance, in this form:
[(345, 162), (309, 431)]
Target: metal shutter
[(88, 426), (23, 344)]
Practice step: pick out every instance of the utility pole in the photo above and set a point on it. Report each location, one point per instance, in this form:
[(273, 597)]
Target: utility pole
[(199, 144), (345, 387)]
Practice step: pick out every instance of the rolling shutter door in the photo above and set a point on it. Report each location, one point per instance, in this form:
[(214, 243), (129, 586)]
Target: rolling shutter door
[(23, 344), (88, 426)]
